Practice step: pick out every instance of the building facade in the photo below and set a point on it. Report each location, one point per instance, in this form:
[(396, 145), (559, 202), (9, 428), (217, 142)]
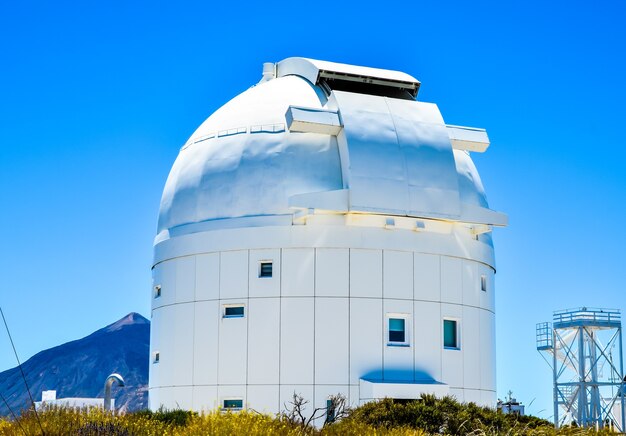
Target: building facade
[(324, 232)]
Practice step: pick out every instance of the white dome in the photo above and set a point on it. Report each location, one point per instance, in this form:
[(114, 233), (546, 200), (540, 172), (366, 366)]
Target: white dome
[(245, 161)]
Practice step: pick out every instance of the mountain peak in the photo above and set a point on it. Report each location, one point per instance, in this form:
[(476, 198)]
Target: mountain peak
[(132, 318)]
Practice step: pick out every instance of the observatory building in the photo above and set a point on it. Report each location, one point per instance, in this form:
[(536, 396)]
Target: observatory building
[(324, 232)]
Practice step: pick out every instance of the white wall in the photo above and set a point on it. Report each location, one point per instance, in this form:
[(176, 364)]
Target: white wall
[(318, 325)]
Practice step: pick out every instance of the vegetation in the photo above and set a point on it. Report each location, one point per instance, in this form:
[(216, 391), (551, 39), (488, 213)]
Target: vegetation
[(428, 416)]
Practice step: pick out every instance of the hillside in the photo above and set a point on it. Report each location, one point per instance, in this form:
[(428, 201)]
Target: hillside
[(79, 368)]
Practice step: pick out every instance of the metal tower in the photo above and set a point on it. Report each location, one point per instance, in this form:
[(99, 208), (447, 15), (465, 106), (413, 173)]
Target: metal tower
[(585, 346)]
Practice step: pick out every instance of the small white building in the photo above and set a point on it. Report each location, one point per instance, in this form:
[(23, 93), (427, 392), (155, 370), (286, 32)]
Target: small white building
[(324, 232), (49, 399)]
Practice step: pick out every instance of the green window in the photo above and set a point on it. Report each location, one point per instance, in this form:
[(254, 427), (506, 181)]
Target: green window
[(233, 404), (450, 339), (397, 332)]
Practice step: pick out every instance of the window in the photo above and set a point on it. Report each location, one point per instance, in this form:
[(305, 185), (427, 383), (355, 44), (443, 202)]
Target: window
[(483, 283), (330, 410), (450, 334), (157, 291), (397, 330), (234, 311), (233, 404), (265, 269), (157, 356)]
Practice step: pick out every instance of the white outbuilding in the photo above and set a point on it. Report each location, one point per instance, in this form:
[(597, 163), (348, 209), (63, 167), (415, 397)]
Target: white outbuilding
[(324, 232)]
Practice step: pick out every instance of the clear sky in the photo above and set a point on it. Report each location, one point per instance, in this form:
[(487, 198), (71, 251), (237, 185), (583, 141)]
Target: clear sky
[(96, 99)]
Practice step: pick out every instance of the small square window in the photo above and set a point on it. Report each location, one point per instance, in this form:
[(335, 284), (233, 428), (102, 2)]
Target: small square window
[(483, 283), (265, 269), (157, 291), (450, 334), (397, 330), (233, 404), (157, 356), (234, 311)]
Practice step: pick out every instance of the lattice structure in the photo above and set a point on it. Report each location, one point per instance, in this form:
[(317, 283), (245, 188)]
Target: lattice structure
[(585, 349)]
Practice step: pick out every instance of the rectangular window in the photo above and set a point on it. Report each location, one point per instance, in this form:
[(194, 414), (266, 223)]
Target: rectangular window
[(330, 410), (397, 330), (157, 291), (234, 311), (450, 334), (233, 404), (483, 283), (265, 269), (157, 356)]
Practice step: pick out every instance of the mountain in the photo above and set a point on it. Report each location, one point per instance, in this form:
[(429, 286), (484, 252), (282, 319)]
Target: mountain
[(79, 368)]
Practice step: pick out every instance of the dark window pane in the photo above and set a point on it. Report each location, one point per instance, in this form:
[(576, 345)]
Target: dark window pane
[(449, 334), (266, 269), (233, 311), (396, 336), (233, 404)]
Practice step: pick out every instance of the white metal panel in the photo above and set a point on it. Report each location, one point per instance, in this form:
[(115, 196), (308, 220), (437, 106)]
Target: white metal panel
[(488, 398), (264, 399), (183, 345), (451, 280), (263, 340), (312, 120), (487, 350), (298, 277), (398, 274), (264, 286), (296, 340), (204, 398), (471, 347), (430, 166), (305, 391), (185, 279), (487, 298), (233, 347), (156, 335), (458, 394), (332, 272), (428, 342), (408, 390), (331, 340), (452, 360), (366, 339), (168, 283), (183, 396), (207, 276), (472, 396), (427, 277), (468, 138), (157, 280), (205, 335), (234, 274), (471, 283), (167, 338), (354, 399), (398, 361), (366, 273)]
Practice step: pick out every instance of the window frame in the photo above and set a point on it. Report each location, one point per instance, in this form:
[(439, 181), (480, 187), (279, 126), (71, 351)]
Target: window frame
[(224, 400), (457, 331), (265, 262), (406, 317), (225, 307)]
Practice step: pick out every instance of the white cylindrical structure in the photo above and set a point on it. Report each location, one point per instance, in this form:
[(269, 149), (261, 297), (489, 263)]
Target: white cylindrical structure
[(323, 233)]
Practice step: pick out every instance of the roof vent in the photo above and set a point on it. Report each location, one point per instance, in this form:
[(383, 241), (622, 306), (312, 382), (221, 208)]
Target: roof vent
[(268, 72)]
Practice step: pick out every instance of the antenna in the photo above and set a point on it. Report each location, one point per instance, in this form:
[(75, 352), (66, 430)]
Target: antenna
[(19, 364)]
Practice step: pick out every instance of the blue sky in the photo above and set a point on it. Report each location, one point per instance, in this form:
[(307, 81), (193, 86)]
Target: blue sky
[(96, 98)]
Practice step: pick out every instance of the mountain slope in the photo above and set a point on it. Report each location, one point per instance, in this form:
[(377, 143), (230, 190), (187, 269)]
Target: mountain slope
[(79, 368)]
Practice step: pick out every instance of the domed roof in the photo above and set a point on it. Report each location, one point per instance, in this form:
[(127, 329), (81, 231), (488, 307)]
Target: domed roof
[(343, 135)]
